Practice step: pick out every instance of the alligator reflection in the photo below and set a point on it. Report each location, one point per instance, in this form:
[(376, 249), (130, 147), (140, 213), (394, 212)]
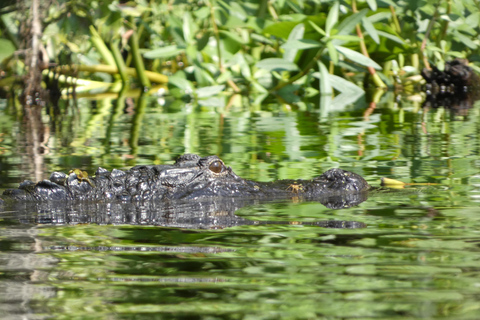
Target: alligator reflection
[(214, 214)]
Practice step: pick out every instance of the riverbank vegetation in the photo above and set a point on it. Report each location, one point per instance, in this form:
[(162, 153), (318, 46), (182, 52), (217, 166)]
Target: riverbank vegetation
[(208, 51)]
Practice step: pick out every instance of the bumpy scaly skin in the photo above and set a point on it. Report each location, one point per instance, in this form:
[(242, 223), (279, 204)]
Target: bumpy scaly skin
[(190, 178)]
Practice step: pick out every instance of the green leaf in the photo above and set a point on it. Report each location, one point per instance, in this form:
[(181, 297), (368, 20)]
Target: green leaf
[(301, 45), (232, 36), (344, 37), (189, 28), (332, 52), (180, 82), (317, 28), (347, 25), (280, 29), (209, 91), (324, 87), (358, 57), (6, 49), (216, 102), (296, 34), (372, 32), (372, 4), (344, 86), (276, 64), (332, 17), (465, 40), (164, 52), (390, 36), (288, 93)]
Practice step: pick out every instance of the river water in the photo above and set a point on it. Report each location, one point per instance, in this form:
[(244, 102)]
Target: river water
[(410, 253)]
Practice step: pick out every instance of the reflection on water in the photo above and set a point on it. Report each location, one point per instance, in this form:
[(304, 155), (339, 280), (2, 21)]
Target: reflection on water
[(406, 254)]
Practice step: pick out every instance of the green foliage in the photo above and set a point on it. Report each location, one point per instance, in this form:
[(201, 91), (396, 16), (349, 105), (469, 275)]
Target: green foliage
[(257, 47)]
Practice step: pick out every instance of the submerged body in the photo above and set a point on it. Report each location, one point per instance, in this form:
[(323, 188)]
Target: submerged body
[(190, 178)]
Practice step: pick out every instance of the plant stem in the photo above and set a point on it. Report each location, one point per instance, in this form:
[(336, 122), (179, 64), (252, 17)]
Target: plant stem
[(117, 55), (101, 47), (138, 61), (376, 78), (398, 29), (427, 34), (219, 49), (153, 76)]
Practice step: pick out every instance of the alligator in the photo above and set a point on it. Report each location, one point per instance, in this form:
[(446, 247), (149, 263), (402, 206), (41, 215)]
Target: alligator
[(206, 214), (456, 87), (190, 178)]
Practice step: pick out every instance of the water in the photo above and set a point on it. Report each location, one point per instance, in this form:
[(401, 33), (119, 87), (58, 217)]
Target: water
[(414, 254)]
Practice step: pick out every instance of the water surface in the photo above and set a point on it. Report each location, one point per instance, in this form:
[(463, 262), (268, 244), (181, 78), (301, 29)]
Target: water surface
[(413, 254)]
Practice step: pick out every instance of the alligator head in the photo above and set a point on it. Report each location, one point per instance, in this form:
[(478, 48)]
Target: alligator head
[(190, 178)]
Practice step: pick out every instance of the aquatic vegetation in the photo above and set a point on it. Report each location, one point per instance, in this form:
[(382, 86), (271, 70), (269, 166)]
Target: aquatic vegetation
[(291, 50)]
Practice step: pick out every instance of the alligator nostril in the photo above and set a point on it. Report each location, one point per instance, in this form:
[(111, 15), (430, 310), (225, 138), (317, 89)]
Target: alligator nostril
[(216, 166)]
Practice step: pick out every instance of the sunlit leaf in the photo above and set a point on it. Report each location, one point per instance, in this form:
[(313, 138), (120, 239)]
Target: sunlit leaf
[(465, 40), (280, 29), (358, 57), (189, 27), (232, 36), (301, 44), (332, 17), (164, 52), (345, 37), (349, 92), (317, 28), (215, 102), (347, 25), (181, 83), (372, 4), (370, 29), (209, 91), (324, 87), (296, 34), (6, 49), (276, 64), (390, 36), (332, 52)]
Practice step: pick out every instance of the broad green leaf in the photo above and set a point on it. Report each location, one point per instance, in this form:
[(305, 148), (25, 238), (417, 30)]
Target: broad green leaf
[(280, 29), (301, 45), (164, 52), (237, 10), (288, 93), (202, 77), (372, 4), (189, 28), (180, 82), (332, 18), (372, 32), (296, 34), (347, 25), (209, 91), (380, 16), (216, 102), (344, 85), (6, 49), (357, 57), (232, 36), (465, 40), (317, 28), (276, 64)]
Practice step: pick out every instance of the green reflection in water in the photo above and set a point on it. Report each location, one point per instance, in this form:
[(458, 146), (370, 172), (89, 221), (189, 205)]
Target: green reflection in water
[(418, 258)]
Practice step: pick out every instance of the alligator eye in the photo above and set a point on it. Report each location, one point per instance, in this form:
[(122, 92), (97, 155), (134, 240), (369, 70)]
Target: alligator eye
[(216, 166)]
